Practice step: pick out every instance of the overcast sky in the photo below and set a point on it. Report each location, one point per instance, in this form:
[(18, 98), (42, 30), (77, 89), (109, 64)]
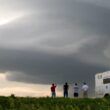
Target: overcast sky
[(45, 41)]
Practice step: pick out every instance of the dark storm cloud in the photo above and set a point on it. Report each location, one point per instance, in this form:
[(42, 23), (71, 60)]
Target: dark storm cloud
[(56, 41), (39, 67)]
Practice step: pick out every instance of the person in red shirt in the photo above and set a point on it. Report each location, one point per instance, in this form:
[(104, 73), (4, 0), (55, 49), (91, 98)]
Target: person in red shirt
[(53, 87)]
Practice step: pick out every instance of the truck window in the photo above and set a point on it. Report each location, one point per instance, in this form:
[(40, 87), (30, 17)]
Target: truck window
[(106, 81)]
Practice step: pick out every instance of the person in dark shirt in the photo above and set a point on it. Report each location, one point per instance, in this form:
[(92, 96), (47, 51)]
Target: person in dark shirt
[(65, 88), (53, 87)]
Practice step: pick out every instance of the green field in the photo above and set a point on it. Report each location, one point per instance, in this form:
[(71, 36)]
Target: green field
[(27, 103)]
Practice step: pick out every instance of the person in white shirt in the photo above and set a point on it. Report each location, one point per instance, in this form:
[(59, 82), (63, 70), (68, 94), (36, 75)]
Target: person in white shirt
[(76, 90), (85, 90)]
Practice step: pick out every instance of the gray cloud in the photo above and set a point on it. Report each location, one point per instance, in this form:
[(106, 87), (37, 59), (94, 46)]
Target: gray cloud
[(39, 67), (55, 41)]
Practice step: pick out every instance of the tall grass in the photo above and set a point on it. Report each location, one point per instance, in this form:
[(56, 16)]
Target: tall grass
[(27, 103)]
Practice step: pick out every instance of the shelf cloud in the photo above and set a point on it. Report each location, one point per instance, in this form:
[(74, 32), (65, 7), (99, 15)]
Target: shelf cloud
[(54, 41)]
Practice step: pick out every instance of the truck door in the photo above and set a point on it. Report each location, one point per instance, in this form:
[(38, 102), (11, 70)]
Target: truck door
[(99, 91)]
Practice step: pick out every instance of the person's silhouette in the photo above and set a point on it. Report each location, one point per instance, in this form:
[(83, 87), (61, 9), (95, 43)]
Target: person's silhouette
[(65, 89)]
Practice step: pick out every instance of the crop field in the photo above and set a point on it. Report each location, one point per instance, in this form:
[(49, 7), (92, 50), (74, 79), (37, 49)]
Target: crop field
[(28, 103)]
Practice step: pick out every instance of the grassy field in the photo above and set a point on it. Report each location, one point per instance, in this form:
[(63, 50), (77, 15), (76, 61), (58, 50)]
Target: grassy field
[(20, 103)]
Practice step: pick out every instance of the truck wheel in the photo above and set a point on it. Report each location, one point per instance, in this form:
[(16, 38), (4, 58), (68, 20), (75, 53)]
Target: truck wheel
[(106, 95)]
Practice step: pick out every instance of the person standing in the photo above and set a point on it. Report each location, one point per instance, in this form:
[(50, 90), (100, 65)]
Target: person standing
[(76, 90), (53, 91), (65, 89), (85, 90)]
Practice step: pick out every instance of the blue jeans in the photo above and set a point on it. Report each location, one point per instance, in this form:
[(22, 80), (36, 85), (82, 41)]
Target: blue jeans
[(65, 94), (53, 94)]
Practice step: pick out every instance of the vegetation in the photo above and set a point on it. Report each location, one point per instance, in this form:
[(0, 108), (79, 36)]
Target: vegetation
[(28, 103)]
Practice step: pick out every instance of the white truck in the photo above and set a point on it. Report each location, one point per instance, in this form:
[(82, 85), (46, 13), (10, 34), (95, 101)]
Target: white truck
[(102, 84)]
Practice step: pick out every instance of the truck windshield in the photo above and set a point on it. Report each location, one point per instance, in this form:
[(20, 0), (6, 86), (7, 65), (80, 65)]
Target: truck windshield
[(106, 81)]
